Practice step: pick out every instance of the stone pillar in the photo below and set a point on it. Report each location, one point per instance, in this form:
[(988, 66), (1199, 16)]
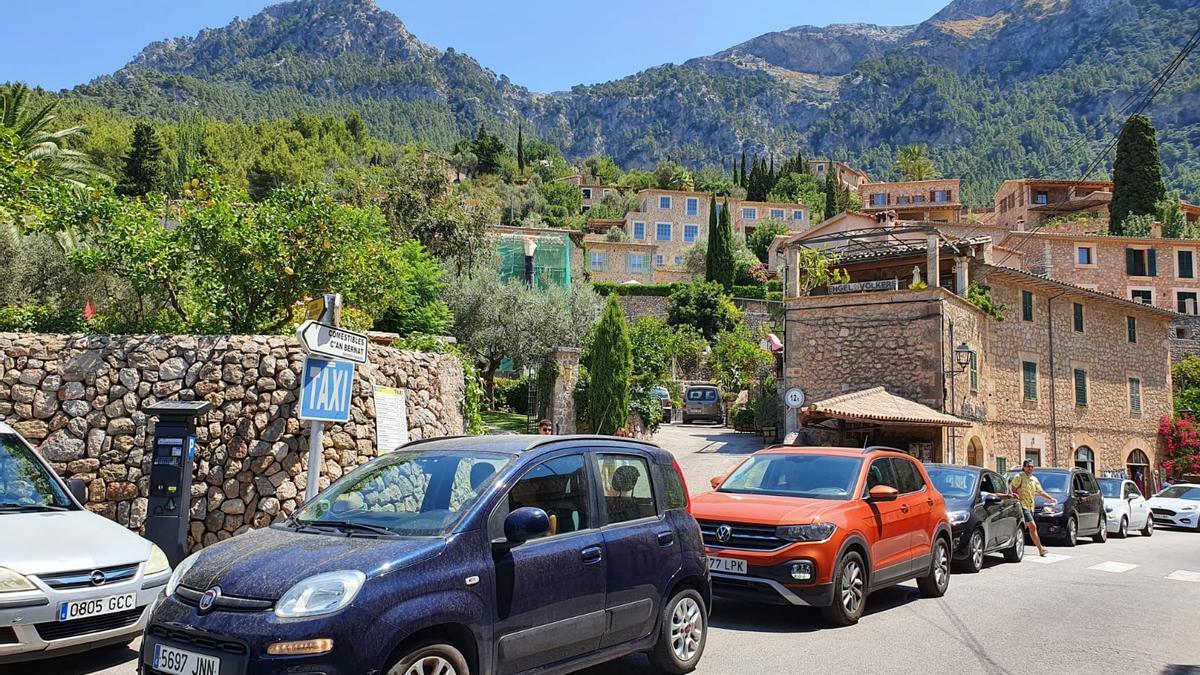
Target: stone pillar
[(962, 279), (562, 400), (932, 273), (791, 279)]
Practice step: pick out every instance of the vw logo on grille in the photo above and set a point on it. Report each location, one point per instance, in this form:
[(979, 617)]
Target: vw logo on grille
[(724, 532), (209, 598), (98, 578)]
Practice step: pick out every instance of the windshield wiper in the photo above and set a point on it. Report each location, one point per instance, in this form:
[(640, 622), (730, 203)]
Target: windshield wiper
[(20, 508), (347, 526)]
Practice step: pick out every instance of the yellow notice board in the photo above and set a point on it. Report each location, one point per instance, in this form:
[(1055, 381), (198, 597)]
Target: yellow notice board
[(391, 418)]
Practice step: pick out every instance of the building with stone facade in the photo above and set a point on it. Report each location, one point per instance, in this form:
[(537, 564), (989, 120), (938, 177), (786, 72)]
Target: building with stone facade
[(926, 200), (1026, 203), (846, 175), (593, 192), (1070, 375)]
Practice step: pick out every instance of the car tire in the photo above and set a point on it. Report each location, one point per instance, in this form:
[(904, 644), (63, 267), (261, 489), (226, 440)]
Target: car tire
[(849, 591), (1072, 532), (974, 560), (1101, 535), (680, 645), (431, 657), (686, 420), (1016, 552), (1148, 529), (937, 580), (1123, 528)]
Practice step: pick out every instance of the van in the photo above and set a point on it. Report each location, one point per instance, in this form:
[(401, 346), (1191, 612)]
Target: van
[(702, 402)]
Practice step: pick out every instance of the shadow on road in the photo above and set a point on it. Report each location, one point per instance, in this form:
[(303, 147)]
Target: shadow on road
[(721, 440), (762, 618), (82, 663)]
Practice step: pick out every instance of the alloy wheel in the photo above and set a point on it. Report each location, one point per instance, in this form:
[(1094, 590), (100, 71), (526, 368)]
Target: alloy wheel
[(941, 561), (976, 550), (1020, 544), (1072, 531), (852, 587), (431, 665), (687, 627)]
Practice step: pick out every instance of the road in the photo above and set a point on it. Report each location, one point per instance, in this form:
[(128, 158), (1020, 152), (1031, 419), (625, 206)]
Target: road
[(1072, 612)]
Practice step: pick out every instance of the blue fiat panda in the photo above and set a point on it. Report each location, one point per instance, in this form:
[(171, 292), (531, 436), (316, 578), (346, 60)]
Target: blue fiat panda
[(456, 556)]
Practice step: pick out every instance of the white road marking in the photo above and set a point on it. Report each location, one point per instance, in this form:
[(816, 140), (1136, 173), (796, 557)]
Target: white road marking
[(1048, 559), (1184, 575), (1115, 567)]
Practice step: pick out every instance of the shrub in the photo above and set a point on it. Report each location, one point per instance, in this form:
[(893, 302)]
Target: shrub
[(40, 319), (648, 407), (752, 292), (512, 395), (658, 290)]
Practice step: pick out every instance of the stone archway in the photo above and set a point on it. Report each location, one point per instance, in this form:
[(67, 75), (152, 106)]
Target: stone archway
[(1085, 458), (1137, 468), (975, 452)]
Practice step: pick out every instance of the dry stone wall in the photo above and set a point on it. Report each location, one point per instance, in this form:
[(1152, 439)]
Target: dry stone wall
[(78, 399)]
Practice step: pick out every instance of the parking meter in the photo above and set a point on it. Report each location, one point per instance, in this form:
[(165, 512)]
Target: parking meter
[(173, 462)]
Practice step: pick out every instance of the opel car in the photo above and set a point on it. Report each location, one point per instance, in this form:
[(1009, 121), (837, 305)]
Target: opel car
[(70, 580), (453, 556), (824, 527)]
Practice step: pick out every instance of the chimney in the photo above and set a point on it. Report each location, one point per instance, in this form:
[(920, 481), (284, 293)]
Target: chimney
[(1156, 230), (932, 273)]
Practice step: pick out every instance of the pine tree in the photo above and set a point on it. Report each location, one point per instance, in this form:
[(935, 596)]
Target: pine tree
[(1137, 173), (145, 170), (721, 264), (610, 365), (831, 196), (520, 150)]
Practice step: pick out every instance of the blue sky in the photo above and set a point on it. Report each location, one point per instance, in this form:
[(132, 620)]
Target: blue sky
[(542, 44)]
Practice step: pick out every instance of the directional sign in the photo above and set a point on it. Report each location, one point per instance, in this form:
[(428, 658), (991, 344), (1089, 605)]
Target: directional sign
[(325, 390), (794, 397), (336, 343)]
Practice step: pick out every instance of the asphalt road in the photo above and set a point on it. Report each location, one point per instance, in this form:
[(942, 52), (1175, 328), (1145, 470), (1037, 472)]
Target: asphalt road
[(1072, 612)]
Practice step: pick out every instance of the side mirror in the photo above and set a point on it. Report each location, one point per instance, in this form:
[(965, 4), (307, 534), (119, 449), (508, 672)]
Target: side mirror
[(883, 493), (78, 490), (1133, 496), (716, 481), (992, 499), (525, 523)]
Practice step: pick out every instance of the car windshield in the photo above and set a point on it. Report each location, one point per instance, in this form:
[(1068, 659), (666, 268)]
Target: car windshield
[(706, 394), (418, 493), (816, 476), (1111, 487), (1053, 482), (1191, 492), (25, 484), (953, 483)]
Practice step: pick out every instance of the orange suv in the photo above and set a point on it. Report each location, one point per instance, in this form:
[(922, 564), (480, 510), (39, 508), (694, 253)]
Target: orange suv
[(823, 527)]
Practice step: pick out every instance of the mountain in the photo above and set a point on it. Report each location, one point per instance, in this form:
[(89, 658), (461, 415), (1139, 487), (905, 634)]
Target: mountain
[(997, 88)]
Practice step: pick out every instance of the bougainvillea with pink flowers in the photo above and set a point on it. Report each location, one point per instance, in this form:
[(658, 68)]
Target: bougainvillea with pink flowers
[(1181, 445)]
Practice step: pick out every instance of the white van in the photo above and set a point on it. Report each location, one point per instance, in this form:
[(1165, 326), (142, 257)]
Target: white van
[(70, 580)]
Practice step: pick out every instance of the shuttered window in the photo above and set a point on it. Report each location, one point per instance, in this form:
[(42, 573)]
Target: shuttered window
[(1026, 306), (1081, 398), (1131, 328), (1078, 318), (974, 366), (1029, 380), (1135, 395), (1141, 262)]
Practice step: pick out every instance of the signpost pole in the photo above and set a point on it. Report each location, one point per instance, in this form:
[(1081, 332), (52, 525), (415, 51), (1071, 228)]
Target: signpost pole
[(316, 433)]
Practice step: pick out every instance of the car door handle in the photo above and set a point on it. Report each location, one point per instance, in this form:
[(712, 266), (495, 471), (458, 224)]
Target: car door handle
[(904, 508), (666, 538), (591, 555)]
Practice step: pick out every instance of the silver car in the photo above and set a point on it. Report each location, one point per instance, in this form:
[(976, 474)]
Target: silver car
[(70, 580)]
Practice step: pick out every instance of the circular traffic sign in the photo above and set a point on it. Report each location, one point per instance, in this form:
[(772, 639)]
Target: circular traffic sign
[(794, 397)]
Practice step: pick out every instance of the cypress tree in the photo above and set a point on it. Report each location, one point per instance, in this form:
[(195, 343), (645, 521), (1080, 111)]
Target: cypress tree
[(743, 183), (145, 170), (831, 196), (610, 365), (712, 237), (520, 150), (720, 250), (1137, 173)]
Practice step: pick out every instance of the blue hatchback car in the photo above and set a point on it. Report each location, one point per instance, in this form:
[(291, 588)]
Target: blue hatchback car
[(454, 556)]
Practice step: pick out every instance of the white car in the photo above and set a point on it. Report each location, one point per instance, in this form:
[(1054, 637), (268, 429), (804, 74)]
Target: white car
[(1178, 505), (70, 580), (1124, 507)]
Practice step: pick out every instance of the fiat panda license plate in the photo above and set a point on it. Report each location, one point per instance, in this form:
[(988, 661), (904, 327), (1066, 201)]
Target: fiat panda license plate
[(182, 662)]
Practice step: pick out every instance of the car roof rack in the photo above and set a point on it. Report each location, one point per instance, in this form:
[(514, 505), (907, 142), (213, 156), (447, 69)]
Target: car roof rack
[(881, 448)]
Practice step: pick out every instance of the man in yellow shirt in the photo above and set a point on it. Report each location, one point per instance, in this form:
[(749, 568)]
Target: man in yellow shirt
[(1025, 487)]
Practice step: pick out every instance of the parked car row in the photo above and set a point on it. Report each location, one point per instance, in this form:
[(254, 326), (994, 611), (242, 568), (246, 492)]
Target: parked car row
[(508, 554)]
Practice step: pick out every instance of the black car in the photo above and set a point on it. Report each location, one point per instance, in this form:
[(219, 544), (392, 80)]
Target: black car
[(985, 518), (1080, 508)]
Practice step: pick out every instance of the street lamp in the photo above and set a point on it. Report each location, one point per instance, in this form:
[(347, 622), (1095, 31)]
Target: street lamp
[(962, 356)]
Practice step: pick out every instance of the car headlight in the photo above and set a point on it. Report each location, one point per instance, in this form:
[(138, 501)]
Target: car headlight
[(812, 532), (158, 562), (320, 594), (12, 582), (1188, 508), (1052, 509), (180, 572), (1108, 509), (958, 517)]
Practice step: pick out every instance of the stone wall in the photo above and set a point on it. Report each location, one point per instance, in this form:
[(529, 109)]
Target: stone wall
[(78, 399)]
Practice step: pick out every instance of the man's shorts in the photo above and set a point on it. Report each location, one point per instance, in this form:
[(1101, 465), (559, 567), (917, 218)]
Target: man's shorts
[(1027, 515)]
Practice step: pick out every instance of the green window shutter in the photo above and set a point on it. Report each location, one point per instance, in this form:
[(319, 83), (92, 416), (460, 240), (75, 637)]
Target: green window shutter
[(1078, 318), (604, 261), (1130, 257), (1131, 326), (1080, 387), (1135, 395), (1026, 306), (1029, 372), (1152, 262)]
